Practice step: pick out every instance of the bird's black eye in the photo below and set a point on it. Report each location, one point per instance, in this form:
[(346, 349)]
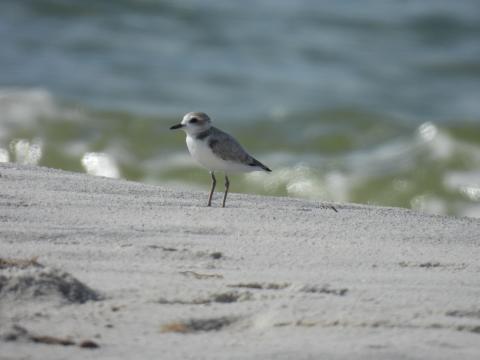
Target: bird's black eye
[(193, 121)]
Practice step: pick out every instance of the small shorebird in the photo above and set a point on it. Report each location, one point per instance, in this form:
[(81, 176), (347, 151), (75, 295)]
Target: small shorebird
[(216, 150)]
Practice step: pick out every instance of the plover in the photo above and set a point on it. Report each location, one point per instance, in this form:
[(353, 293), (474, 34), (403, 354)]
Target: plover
[(216, 150)]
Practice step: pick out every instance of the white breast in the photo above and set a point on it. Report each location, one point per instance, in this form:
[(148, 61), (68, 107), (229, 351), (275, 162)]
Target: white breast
[(202, 153)]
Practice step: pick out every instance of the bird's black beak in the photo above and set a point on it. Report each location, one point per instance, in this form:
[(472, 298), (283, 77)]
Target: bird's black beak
[(174, 127)]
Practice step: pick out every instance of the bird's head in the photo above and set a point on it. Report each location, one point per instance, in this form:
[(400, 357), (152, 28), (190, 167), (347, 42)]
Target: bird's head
[(194, 123)]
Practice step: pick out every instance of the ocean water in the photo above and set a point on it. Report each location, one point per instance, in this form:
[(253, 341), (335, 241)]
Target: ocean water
[(374, 101)]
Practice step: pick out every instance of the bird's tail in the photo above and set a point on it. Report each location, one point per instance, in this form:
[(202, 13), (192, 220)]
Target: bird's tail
[(255, 162)]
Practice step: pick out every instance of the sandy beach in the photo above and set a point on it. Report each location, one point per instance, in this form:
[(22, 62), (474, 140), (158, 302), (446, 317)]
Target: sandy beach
[(99, 268)]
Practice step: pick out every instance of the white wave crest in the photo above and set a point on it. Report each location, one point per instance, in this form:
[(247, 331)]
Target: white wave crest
[(100, 164), (303, 181), (26, 152), (4, 155)]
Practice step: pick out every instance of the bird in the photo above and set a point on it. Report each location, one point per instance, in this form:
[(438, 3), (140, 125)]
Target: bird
[(216, 150)]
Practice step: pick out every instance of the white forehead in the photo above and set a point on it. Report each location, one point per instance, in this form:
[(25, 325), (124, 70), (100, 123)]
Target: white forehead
[(199, 115)]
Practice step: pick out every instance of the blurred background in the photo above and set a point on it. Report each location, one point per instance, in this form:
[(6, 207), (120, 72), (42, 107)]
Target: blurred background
[(374, 101)]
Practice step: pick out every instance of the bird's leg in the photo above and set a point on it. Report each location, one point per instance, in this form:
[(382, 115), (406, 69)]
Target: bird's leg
[(227, 184), (214, 182)]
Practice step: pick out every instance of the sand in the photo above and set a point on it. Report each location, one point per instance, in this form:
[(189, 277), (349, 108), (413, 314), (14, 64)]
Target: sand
[(100, 268)]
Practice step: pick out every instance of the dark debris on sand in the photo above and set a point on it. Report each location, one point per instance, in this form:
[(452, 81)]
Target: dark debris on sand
[(27, 279), (19, 333), (199, 325)]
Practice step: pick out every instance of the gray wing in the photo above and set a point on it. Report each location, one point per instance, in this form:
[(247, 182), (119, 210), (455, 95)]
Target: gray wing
[(227, 148)]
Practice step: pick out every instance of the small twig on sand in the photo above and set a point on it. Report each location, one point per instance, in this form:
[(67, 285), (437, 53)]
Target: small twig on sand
[(201, 276)]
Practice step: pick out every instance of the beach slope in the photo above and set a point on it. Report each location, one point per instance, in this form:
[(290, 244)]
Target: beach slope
[(92, 267)]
